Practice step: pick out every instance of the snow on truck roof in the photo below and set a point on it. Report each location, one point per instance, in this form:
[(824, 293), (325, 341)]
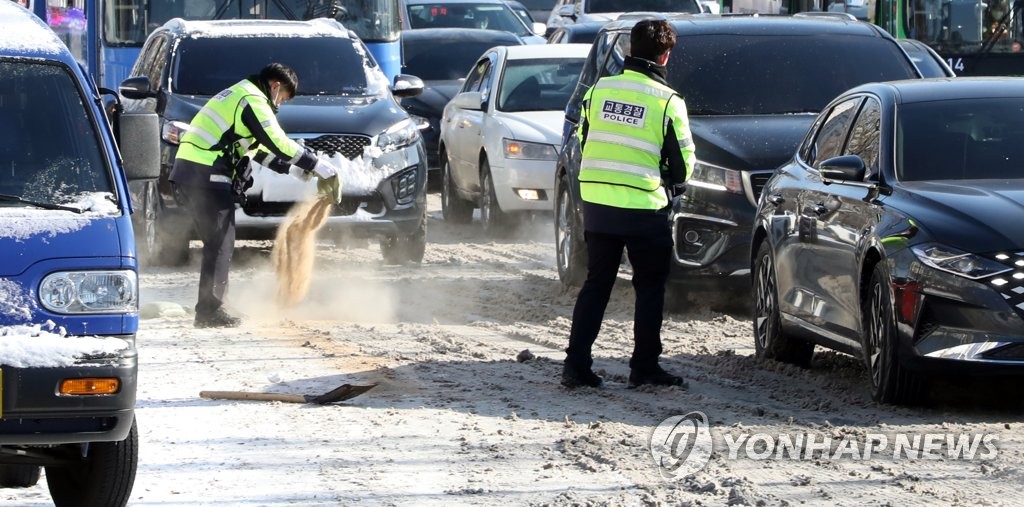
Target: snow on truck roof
[(259, 28), (24, 34)]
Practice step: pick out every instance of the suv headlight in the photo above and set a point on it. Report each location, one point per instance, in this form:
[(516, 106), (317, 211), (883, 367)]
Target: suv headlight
[(71, 292), (955, 261), (713, 177), (400, 135), (526, 150), (172, 131)]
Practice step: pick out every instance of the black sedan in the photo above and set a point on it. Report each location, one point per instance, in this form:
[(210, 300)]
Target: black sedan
[(441, 57), (895, 235)]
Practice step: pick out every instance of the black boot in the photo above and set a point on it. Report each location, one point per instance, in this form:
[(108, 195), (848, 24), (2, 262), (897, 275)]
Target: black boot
[(579, 377), (654, 376), (216, 318)]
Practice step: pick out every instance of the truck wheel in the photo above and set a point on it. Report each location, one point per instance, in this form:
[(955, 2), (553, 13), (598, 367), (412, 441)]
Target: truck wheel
[(103, 478), (409, 249), (19, 476), (160, 239)]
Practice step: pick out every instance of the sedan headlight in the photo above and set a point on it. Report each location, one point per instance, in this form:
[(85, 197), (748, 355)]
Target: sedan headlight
[(400, 135), (71, 292), (713, 177), (172, 131), (954, 261), (529, 151)]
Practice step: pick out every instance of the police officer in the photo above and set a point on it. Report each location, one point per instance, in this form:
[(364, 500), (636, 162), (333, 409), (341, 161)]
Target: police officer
[(210, 171), (637, 151)]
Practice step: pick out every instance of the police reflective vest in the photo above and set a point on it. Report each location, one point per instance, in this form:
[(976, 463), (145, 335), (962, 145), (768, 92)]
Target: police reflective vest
[(217, 130), (627, 116)]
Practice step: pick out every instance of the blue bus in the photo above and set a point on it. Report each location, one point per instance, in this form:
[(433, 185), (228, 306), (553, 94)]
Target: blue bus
[(106, 35)]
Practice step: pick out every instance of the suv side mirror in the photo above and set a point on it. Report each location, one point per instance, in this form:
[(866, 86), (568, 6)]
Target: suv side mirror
[(469, 100), (136, 88), (407, 86), (843, 168)]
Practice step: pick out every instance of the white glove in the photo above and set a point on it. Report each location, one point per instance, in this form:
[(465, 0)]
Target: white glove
[(324, 169), (300, 173)]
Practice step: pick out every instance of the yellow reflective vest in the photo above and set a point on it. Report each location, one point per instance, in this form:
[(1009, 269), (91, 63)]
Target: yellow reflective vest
[(627, 117), (218, 131)]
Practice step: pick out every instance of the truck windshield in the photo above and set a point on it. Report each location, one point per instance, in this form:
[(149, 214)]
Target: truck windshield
[(324, 65), (744, 74), (50, 152), (129, 22)]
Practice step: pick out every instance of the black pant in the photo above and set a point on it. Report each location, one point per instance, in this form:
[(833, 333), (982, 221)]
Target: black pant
[(651, 256), (213, 213)]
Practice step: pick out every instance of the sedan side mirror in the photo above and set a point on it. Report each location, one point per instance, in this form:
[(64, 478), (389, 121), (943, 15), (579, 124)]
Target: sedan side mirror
[(407, 86), (136, 88), (469, 100), (843, 168)]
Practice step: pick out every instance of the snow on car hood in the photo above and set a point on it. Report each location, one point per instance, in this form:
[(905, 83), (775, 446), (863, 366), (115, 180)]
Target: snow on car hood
[(536, 126)]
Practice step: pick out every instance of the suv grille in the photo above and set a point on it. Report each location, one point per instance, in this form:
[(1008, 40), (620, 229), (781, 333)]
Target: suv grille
[(1010, 283), (350, 146)]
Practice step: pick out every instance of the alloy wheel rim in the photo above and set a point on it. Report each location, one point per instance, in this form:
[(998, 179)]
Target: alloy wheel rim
[(485, 205), (563, 231), (765, 301), (446, 189), (875, 331)]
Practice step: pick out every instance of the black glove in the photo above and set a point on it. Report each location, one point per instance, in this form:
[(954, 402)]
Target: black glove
[(242, 180)]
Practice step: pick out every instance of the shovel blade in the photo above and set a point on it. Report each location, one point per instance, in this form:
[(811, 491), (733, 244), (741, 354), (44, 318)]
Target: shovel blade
[(341, 393)]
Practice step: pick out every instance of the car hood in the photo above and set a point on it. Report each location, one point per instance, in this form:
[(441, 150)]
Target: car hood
[(314, 114), (536, 126), (32, 236), (748, 143), (599, 16), (976, 216), (435, 96)]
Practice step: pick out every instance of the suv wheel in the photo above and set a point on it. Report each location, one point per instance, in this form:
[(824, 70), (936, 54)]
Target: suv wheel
[(570, 250), (103, 478), (495, 221), (19, 476), (453, 208), (770, 342), (410, 249), (161, 239), (890, 381)]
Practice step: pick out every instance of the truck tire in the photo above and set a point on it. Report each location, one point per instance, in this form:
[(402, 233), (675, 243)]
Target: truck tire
[(19, 476), (103, 478)]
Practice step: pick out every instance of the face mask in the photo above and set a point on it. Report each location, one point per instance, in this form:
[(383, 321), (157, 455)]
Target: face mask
[(273, 100)]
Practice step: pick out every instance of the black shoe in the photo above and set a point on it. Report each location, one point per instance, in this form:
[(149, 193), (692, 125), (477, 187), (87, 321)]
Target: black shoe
[(654, 376), (576, 377), (217, 318)]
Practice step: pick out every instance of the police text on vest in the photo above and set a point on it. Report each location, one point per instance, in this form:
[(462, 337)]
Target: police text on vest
[(623, 113)]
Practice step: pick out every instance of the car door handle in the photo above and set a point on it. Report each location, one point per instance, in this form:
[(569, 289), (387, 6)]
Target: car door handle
[(819, 209), (776, 199)]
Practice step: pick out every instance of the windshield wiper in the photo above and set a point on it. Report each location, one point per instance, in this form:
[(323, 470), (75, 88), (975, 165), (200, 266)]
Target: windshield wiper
[(44, 205)]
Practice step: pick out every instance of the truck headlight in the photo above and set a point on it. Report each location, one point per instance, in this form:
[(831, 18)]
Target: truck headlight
[(72, 292), (400, 135), (713, 177), (529, 151)]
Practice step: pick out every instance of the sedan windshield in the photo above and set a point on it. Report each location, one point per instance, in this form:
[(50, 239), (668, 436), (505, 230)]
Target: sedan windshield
[(538, 85), (460, 15), (748, 74), (642, 5), (324, 65), (50, 149), (960, 140)]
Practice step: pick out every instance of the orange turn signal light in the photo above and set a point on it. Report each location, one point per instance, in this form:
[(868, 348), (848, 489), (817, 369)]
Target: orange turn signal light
[(80, 386)]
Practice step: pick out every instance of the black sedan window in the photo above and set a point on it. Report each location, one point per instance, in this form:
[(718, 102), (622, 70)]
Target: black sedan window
[(748, 74), (439, 60), (324, 65), (960, 140), (642, 5)]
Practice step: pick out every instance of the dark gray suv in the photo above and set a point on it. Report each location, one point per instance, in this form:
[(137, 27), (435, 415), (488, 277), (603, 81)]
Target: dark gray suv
[(344, 106), (752, 86)]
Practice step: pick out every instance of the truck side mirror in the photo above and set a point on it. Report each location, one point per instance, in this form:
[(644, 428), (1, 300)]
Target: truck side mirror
[(138, 139)]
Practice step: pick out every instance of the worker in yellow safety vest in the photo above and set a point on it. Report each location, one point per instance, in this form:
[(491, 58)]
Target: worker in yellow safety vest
[(637, 154), (211, 171)]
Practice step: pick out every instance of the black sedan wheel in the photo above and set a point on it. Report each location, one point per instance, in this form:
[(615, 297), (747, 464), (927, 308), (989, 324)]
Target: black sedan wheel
[(890, 381), (770, 342), (569, 247), (453, 208), (406, 250)]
